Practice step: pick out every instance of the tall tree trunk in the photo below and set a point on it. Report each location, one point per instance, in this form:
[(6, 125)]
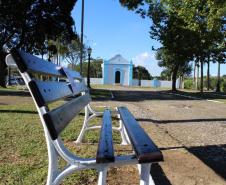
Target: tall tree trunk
[(201, 82), (208, 74), (218, 78), (197, 78), (3, 69), (174, 78), (9, 76), (194, 79), (181, 82)]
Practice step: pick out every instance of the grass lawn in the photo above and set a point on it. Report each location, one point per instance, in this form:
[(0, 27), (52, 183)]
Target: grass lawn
[(23, 153)]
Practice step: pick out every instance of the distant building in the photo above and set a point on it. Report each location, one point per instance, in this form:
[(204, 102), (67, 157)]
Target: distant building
[(117, 70)]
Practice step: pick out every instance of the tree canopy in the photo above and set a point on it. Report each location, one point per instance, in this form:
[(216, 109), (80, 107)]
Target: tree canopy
[(188, 30), (95, 68), (29, 24), (141, 73)]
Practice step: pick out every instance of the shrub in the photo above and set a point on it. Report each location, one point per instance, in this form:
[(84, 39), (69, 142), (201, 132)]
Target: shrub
[(188, 84), (224, 86)]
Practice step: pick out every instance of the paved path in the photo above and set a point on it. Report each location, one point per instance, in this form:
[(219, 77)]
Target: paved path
[(191, 134)]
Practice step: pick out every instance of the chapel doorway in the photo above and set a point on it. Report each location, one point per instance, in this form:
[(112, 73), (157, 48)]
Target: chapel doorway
[(117, 77)]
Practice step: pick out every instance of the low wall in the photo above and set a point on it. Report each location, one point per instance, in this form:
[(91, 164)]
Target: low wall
[(135, 82), (165, 83), (154, 83), (143, 83), (146, 83), (94, 80)]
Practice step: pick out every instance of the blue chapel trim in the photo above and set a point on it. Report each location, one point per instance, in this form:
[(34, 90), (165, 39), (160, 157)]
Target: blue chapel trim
[(131, 73), (107, 72), (105, 76), (121, 75)]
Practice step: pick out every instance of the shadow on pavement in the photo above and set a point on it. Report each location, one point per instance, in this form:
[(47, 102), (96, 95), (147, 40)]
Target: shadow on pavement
[(136, 95), (158, 175), (180, 121), (214, 156)]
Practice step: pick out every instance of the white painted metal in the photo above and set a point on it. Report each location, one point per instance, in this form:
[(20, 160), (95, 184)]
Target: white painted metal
[(85, 124), (145, 175), (91, 114), (102, 176), (10, 61)]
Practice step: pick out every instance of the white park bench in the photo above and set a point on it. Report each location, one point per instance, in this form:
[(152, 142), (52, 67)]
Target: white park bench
[(54, 121)]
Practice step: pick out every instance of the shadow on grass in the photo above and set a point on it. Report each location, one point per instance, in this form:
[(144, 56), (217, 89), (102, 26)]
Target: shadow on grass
[(19, 111), (158, 175), (14, 93), (180, 121)]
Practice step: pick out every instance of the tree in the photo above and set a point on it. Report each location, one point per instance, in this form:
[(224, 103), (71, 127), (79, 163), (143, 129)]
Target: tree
[(186, 29), (72, 55), (175, 68), (28, 24), (57, 50), (219, 57), (207, 19), (177, 41), (95, 68), (165, 75), (141, 73), (170, 30)]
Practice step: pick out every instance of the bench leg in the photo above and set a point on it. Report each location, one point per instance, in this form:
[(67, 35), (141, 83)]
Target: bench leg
[(53, 163), (84, 126), (102, 176), (88, 117), (145, 176), (93, 111)]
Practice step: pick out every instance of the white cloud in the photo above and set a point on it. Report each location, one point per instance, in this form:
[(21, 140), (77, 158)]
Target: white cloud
[(148, 61), (94, 44)]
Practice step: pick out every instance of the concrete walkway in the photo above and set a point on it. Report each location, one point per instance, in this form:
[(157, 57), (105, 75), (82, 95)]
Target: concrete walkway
[(191, 134)]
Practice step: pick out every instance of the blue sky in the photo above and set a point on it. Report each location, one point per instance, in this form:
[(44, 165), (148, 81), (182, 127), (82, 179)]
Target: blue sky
[(111, 29)]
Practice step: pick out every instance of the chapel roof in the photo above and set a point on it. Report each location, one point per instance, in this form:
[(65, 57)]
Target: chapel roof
[(118, 59)]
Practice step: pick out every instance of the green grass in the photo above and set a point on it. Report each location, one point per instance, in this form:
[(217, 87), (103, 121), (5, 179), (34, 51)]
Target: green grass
[(100, 86), (9, 88), (23, 152)]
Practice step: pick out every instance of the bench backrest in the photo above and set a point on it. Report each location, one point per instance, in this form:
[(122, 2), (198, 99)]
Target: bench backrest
[(50, 90)]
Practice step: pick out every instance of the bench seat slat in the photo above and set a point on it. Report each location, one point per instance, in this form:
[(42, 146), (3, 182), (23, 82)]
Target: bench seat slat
[(57, 119), (52, 91), (28, 62), (145, 149), (105, 152)]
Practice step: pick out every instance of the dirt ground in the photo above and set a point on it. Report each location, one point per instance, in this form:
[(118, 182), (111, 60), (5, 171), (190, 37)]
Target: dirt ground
[(190, 133)]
